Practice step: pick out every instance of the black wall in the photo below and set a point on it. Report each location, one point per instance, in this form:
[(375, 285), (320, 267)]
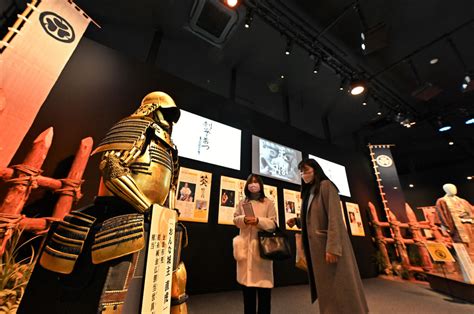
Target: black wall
[(428, 185), (99, 86)]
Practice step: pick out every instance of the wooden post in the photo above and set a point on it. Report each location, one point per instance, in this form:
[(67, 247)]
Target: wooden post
[(70, 191), (419, 239), (25, 174), (380, 239), (399, 241)]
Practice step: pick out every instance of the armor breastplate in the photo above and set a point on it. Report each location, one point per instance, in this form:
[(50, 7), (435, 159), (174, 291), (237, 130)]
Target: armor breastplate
[(153, 171)]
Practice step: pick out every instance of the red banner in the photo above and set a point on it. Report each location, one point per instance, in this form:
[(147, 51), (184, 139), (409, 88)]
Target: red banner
[(32, 56)]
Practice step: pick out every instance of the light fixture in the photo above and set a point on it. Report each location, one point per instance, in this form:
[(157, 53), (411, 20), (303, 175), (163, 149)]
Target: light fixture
[(343, 83), (231, 3), (470, 120), (434, 61), (248, 18), (282, 76), (465, 83), (357, 87), (443, 127), (288, 47), (451, 143), (469, 177), (366, 99), (411, 185), (317, 66), (379, 113)]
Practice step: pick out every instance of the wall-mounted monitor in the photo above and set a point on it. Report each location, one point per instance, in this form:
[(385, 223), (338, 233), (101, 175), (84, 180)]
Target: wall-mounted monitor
[(336, 173), (208, 141), (274, 160)]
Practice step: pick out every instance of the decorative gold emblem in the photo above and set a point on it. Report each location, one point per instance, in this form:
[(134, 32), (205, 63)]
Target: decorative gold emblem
[(384, 161)]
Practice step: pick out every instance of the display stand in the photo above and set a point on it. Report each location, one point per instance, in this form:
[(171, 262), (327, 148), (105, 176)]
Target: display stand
[(457, 290)]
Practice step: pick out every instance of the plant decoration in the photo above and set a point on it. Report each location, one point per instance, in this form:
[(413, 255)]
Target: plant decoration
[(14, 273)]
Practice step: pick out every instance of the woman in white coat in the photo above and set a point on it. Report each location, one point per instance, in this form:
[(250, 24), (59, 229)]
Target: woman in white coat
[(254, 273)]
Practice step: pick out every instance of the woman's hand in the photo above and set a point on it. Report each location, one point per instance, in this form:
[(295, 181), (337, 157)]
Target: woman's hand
[(250, 220), (331, 258), (291, 222)]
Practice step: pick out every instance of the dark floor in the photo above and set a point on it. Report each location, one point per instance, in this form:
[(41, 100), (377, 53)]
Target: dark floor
[(383, 296)]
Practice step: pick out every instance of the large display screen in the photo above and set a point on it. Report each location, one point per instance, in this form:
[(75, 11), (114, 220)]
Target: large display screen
[(274, 160), (336, 173), (208, 141)]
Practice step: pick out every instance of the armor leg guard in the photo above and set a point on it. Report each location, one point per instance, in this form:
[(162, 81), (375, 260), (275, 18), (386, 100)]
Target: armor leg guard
[(178, 290)]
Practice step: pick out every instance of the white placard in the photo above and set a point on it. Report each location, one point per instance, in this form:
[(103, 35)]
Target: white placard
[(232, 192), (208, 141), (292, 201), (355, 219), (193, 195), (336, 173)]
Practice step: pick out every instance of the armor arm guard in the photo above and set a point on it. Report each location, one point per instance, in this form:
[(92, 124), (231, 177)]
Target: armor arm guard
[(116, 173)]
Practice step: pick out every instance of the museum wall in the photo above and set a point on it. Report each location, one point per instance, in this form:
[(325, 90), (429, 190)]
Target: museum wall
[(428, 185), (99, 86)]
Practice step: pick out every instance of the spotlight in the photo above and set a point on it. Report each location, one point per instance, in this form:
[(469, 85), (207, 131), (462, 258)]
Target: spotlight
[(411, 185), (465, 83), (343, 84), (434, 61), (248, 18), (469, 177), (282, 76), (231, 3), (317, 66), (288, 48), (379, 113), (357, 87), (470, 121), (443, 127), (366, 100), (451, 143)]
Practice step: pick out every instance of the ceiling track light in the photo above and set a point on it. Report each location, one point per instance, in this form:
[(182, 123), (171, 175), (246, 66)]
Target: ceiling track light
[(467, 83), (288, 47), (285, 23), (357, 87), (443, 127), (231, 3), (248, 18), (317, 66), (343, 84)]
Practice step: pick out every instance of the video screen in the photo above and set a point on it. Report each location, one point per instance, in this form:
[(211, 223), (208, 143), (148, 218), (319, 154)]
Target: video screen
[(336, 173), (208, 141), (274, 160)]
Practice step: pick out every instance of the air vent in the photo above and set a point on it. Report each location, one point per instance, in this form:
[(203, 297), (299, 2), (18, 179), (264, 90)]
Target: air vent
[(213, 21)]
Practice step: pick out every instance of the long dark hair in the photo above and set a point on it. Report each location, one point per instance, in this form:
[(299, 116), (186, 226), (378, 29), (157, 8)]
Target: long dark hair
[(259, 180), (319, 176)]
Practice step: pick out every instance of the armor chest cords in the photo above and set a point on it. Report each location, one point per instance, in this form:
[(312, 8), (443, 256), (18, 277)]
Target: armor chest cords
[(153, 171)]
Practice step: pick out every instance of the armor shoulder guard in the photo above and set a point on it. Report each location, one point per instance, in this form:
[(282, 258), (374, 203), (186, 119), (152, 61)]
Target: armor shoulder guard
[(124, 134)]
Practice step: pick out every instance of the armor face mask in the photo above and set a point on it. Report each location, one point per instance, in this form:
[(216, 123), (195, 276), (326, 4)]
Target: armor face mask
[(160, 107)]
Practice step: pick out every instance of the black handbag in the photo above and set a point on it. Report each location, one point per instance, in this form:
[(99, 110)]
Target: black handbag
[(274, 245)]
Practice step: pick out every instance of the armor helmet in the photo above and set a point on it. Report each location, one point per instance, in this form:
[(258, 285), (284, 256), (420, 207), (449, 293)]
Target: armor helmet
[(162, 102)]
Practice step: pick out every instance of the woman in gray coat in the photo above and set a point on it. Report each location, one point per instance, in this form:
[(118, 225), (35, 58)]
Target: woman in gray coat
[(332, 269)]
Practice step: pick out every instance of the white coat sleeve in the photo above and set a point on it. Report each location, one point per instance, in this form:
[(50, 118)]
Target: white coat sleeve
[(268, 223), (239, 217)]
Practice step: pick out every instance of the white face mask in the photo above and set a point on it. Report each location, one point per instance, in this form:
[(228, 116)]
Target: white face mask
[(307, 176), (254, 187)]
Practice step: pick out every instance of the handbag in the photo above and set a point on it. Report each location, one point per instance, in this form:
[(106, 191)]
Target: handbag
[(274, 245), (300, 257)]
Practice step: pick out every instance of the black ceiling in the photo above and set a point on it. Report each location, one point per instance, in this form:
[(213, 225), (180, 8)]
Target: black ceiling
[(254, 60)]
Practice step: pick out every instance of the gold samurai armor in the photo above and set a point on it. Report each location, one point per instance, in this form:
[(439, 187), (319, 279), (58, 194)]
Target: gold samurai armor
[(139, 166)]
